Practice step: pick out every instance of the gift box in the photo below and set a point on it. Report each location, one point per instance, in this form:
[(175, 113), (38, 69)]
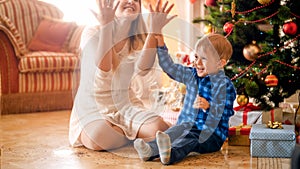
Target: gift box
[(267, 142), (239, 135), (275, 114), (248, 114)]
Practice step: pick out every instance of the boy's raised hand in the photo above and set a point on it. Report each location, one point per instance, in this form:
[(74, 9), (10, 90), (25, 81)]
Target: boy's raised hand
[(159, 16)]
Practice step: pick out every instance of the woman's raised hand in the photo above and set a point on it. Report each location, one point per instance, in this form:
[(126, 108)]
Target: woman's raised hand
[(107, 11), (159, 16)]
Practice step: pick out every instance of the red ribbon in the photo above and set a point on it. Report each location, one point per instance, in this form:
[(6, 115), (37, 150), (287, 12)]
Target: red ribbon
[(246, 109), (272, 115)]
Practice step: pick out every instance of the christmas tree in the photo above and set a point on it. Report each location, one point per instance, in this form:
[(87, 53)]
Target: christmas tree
[(265, 37)]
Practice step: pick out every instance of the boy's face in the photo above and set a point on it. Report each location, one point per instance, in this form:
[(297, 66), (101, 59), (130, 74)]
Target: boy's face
[(206, 64)]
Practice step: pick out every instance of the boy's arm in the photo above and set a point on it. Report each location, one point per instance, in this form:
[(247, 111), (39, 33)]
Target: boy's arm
[(175, 71)]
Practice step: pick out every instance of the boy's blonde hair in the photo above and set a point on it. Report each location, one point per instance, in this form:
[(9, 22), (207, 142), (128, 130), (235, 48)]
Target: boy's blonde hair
[(221, 45), (214, 44)]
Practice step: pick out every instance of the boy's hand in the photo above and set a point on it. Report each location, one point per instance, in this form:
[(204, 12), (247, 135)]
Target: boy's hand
[(201, 103), (159, 17)]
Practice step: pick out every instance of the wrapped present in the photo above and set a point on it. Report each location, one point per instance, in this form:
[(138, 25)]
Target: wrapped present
[(275, 114), (248, 114), (287, 107), (239, 135), (268, 142), (288, 118)]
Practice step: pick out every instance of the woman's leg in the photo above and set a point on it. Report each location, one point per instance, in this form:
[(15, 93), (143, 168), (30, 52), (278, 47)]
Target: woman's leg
[(102, 135), (149, 128)]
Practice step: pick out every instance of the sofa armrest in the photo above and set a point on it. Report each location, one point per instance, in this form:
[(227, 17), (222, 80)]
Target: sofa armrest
[(13, 34), (8, 65)]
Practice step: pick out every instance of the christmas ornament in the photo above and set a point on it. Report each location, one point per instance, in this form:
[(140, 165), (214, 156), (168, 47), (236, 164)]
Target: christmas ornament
[(228, 26), (242, 100), (193, 1), (210, 3), (290, 28), (264, 1), (271, 80), (233, 8), (250, 51), (208, 29)]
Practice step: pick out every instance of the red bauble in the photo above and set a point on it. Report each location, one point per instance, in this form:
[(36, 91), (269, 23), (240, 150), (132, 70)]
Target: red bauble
[(193, 1), (210, 3), (290, 28), (228, 26), (271, 81)]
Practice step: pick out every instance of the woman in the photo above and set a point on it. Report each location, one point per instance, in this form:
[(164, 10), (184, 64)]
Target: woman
[(106, 113)]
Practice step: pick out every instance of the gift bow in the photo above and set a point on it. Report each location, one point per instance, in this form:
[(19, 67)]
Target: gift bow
[(238, 129), (247, 107), (242, 126), (274, 125)]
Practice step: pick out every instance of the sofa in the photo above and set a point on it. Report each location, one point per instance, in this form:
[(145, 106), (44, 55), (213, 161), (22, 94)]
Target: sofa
[(39, 57)]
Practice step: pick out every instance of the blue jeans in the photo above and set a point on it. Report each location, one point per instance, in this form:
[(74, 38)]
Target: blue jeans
[(185, 139)]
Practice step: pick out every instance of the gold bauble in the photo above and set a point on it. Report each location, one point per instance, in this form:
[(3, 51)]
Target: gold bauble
[(208, 29), (250, 51), (242, 100), (263, 2)]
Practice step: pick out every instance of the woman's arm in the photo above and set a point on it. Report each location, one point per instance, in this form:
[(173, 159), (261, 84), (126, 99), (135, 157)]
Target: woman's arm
[(148, 55), (158, 19), (104, 48), (105, 43)]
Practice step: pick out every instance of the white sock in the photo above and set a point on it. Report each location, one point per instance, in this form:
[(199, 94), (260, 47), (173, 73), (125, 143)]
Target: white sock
[(143, 149), (164, 146)]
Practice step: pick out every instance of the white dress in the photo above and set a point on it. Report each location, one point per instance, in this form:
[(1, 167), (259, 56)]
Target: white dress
[(109, 96)]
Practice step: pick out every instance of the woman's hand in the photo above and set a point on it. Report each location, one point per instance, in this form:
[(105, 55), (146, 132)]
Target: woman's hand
[(201, 103), (159, 16), (106, 11)]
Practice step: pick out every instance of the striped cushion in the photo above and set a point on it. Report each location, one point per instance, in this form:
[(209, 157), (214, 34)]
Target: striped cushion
[(45, 82), (74, 41), (27, 14), (48, 62)]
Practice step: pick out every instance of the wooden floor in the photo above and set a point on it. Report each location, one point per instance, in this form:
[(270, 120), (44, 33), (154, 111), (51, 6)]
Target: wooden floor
[(40, 141)]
